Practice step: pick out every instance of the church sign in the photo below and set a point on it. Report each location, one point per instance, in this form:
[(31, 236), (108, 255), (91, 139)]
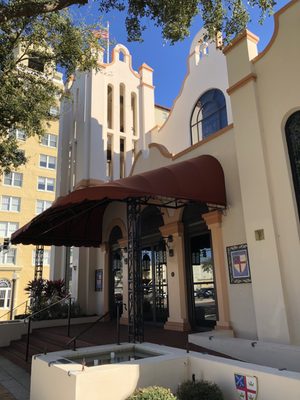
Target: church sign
[(246, 386)]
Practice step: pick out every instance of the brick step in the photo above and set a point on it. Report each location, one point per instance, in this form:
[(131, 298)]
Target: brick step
[(56, 339), (42, 343), (16, 358), (19, 346)]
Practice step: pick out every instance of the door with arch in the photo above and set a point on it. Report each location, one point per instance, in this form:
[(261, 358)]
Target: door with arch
[(115, 271), (154, 267), (201, 290)]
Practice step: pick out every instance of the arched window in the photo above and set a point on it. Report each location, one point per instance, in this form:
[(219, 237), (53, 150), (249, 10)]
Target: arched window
[(209, 115), (5, 293), (109, 107), (133, 113), (122, 107), (122, 56), (292, 131)]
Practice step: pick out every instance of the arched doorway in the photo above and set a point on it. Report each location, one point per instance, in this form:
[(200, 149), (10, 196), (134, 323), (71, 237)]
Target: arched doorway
[(154, 267), (115, 271), (201, 292)]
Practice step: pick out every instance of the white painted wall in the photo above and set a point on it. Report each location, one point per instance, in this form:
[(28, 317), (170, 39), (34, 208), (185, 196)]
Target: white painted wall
[(278, 89), (118, 381), (204, 72), (274, 355), (260, 109)]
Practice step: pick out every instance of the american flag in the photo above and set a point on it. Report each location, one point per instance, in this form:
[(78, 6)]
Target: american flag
[(102, 33)]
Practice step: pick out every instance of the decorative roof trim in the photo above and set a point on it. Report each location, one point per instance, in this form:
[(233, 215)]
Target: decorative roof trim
[(146, 66), (245, 34), (276, 29), (204, 141), (242, 82)]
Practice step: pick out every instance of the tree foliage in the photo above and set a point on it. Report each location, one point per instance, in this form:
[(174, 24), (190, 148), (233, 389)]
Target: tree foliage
[(27, 94), (29, 28), (174, 16)]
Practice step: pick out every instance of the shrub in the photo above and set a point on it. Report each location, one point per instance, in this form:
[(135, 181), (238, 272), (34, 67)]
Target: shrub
[(199, 390), (44, 293), (152, 393)]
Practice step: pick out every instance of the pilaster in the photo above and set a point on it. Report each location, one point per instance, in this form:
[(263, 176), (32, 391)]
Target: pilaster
[(178, 310), (213, 220)]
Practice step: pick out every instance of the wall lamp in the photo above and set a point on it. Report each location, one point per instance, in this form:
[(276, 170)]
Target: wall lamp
[(124, 254), (169, 244)]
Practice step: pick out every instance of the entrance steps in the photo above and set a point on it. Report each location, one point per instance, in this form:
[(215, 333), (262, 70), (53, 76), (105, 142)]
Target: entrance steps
[(41, 341)]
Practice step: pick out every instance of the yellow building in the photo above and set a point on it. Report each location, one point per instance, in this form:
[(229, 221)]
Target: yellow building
[(24, 193)]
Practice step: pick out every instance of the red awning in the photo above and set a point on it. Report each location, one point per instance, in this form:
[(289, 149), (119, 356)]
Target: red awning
[(76, 219)]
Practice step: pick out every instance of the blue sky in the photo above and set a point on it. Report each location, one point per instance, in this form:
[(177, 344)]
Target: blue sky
[(163, 57)]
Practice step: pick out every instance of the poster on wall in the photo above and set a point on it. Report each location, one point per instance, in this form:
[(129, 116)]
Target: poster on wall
[(98, 280), (238, 264)]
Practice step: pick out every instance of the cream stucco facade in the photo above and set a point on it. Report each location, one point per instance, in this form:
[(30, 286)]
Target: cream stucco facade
[(257, 95)]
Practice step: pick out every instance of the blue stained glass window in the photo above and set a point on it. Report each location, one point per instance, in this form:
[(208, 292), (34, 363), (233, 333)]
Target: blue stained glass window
[(209, 115)]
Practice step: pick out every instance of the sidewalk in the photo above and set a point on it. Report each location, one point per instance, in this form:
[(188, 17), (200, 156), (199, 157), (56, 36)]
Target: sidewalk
[(14, 381)]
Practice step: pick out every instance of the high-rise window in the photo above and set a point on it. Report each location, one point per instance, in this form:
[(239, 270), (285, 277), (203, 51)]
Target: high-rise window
[(49, 140), (54, 111), (292, 131), (8, 228), (46, 257), (10, 203), (35, 62), (47, 161), (13, 179), (8, 257), (42, 205), (46, 184), (5, 293), (19, 134)]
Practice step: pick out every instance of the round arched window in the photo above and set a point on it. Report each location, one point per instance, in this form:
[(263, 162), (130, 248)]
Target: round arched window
[(292, 131), (209, 115), (5, 293)]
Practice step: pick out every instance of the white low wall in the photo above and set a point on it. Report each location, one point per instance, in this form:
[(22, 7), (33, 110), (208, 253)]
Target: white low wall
[(14, 330), (272, 384), (274, 355), (118, 381)]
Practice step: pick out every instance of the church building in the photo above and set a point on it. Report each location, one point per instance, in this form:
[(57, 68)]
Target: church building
[(219, 241)]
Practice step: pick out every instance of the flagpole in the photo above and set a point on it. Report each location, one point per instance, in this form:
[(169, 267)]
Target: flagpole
[(107, 43)]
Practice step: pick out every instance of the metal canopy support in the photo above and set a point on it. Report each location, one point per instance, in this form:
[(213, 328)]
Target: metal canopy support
[(39, 258), (135, 286)]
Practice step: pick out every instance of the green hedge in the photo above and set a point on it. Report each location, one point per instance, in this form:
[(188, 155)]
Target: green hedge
[(199, 390), (152, 393)]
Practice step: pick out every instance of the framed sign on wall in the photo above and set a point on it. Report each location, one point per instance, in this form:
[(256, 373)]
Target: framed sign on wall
[(238, 264)]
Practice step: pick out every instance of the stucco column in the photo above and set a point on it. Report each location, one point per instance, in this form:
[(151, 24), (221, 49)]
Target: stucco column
[(83, 278), (177, 296), (123, 243), (213, 220)]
